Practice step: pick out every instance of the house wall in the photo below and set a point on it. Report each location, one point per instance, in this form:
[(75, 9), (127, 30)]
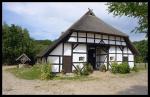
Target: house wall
[(118, 55), (95, 38), (55, 57), (57, 50), (79, 51)]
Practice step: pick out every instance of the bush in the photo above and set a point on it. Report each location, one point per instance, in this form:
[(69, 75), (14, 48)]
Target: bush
[(85, 71), (135, 69), (78, 70), (114, 68), (46, 71), (102, 68), (120, 68), (123, 68)]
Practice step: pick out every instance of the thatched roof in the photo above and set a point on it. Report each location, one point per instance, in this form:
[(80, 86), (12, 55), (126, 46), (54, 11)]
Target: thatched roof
[(87, 23)]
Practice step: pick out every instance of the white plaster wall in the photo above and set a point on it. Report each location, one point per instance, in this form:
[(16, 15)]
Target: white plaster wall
[(82, 39), (67, 49), (52, 59), (90, 35), (80, 48), (97, 40), (112, 55), (105, 41), (57, 50), (123, 43), (75, 64), (90, 40), (129, 51), (72, 39), (112, 42), (118, 38), (55, 68), (119, 57), (125, 50), (130, 57), (118, 43), (111, 37), (119, 62), (118, 50), (74, 34), (105, 36), (112, 49), (131, 64), (76, 57), (125, 55), (97, 35), (122, 39), (60, 68), (82, 34)]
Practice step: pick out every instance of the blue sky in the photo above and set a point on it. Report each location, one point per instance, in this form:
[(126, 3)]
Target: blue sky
[(48, 20)]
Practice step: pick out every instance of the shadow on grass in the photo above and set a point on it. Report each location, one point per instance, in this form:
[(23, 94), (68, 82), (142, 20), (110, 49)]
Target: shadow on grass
[(135, 90)]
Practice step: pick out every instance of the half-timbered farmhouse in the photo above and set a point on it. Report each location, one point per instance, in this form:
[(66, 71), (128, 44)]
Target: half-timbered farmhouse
[(89, 40)]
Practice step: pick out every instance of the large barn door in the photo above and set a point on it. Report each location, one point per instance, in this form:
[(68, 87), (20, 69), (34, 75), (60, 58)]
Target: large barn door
[(67, 64)]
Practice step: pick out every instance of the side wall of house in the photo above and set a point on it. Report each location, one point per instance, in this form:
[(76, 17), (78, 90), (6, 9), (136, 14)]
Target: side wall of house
[(76, 47), (118, 48), (116, 54), (79, 55)]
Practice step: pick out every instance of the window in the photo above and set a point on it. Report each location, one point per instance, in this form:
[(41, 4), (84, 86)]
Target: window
[(81, 58), (125, 59), (111, 58)]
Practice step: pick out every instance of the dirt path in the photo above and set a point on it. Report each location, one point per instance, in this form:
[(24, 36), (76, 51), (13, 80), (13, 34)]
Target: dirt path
[(102, 84)]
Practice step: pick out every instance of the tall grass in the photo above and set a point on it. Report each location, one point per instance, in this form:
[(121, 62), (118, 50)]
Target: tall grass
[(26, 73)]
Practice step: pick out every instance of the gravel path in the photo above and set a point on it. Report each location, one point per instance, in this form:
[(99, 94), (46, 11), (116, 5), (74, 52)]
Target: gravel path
[(102, 84)]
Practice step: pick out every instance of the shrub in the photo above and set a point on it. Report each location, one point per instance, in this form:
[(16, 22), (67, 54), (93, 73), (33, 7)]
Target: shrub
[(114, 67), (120, 68), (87, 69), (78, 70), (102, 68), (135, 69), (123, 68), (46, 71)]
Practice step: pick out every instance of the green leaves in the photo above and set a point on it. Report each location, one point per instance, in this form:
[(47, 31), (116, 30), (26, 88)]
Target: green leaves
[(142, 47), (137, 10)]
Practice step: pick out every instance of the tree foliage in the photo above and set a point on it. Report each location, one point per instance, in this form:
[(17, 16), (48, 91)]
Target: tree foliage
[(137, 10), (16, 40), (142, 47)]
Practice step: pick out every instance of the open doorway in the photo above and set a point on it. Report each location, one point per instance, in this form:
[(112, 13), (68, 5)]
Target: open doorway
[(92, 56)]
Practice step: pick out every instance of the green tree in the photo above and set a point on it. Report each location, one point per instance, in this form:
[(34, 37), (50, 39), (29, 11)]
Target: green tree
[(137, 10), (16, 40), (142, 47)]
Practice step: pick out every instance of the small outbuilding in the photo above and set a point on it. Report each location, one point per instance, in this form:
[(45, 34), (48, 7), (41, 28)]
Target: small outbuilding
[(23, 60)]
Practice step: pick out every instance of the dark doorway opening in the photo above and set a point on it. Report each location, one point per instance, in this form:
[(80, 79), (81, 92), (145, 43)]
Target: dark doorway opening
[(92, 56), (67, 64)]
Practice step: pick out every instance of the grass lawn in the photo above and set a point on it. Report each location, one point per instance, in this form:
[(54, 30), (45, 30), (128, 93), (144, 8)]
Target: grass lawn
[(35, 73), (26, 73)]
